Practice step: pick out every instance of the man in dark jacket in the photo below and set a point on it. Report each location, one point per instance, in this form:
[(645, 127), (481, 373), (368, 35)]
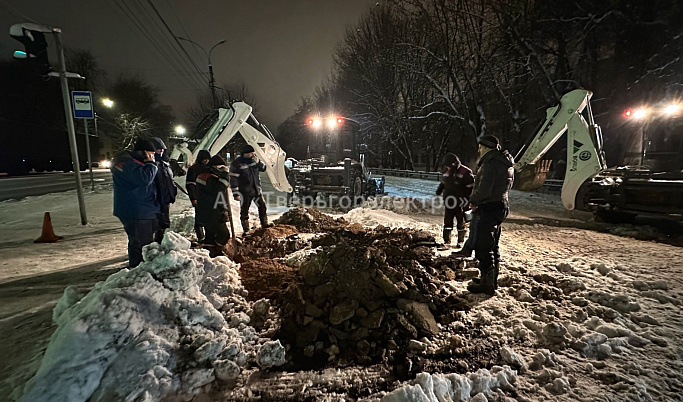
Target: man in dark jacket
[(203, 157), (135, 197), (490, 200), (246, 185), (166, 189), (212, 206), (456, 187)]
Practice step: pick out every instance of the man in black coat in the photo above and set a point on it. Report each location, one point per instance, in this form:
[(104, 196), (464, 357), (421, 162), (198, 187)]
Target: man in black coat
[(490, 201), (203, 157), (456, 187), (212, 206), (166, 189), (246, 185)]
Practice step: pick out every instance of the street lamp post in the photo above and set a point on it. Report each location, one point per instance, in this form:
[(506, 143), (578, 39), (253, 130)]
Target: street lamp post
[(212, 82)]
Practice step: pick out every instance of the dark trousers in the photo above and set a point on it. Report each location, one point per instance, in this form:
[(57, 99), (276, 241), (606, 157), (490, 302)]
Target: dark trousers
[(246, 203), (217, 233), (164, 222), (487, 234), (452, 213), (140, 233), (198, 227)]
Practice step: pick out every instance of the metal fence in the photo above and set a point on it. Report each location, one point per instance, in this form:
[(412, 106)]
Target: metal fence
[(549, 186), (436, 176)]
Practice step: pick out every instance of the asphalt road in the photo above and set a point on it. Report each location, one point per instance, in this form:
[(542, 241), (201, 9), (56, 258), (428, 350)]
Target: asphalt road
[(44, 183)]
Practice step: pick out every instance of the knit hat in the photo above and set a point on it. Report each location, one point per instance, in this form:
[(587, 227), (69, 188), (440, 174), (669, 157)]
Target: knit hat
[(158, 143), (247, 149), (450, 159), (203, 154), (490, 141), (144, 144), (216, 160)]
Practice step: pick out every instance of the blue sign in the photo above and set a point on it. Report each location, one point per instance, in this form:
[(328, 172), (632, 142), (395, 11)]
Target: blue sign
[(82, 104)]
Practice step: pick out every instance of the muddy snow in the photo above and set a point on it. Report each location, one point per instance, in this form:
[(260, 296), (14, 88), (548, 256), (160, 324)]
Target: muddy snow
[(360, 306)]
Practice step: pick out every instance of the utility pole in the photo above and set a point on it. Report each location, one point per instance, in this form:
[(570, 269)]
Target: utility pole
[(212, 82)]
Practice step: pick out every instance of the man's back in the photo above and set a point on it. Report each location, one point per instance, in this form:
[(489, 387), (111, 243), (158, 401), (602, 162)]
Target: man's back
[(135, 195)]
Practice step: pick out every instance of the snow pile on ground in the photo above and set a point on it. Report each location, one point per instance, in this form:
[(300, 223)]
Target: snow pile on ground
[(167, 328), (374, 217), (479, 386), (433, 205)]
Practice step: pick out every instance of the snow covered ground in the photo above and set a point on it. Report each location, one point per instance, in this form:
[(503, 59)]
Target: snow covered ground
[(579, 315)]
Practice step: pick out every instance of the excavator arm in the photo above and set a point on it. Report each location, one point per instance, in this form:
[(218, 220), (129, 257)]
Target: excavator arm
[(585, 156), (228, 124)]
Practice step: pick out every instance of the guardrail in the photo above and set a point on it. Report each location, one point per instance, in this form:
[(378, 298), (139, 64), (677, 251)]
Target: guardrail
[(436, 176), (549, 186)]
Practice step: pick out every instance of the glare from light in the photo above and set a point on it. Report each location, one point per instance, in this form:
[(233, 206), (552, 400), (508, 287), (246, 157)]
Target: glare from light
[(108, 102), (672, 109), (340, 121), (180, 130), (317, 123), (640, 113), (332, 123), (105, 164)]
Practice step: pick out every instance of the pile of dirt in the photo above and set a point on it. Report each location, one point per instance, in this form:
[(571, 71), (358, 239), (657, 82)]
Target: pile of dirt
[(365, 295), (273, 242), (309, 220), (266, 278)]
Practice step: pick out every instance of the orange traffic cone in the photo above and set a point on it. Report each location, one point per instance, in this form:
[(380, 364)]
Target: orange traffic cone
[(48, 235)]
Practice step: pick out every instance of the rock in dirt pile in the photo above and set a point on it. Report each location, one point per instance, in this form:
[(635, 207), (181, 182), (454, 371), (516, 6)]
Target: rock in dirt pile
[(363, 295)]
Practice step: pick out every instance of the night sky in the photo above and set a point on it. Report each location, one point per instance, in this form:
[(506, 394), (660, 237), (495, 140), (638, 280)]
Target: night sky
[(280, 49)]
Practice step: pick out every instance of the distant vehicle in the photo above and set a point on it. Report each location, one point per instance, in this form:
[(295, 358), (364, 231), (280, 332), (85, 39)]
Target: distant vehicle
[(336, 163), (654, 187), (25, 147)]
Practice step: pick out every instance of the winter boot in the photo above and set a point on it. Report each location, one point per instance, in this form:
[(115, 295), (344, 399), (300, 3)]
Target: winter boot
[(485, 285), (199, 230), (496, 270), (461, 237), (245, 226), (447, 235), (264, 223)]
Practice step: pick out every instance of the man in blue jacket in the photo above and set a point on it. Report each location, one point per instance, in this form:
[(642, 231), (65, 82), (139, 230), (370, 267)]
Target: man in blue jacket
[(166, 189), (135, 196)]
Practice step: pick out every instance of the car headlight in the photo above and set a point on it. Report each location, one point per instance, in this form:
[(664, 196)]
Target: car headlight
[(105, 164)]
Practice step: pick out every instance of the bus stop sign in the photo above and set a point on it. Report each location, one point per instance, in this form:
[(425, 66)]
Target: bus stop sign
[(82, 103)]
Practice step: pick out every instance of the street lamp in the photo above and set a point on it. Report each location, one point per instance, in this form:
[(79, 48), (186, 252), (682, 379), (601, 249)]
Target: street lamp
[(212, 82), (180, 130), (108, 102)]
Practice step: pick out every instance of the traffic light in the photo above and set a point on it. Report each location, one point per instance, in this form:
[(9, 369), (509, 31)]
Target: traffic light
[(35, 44)]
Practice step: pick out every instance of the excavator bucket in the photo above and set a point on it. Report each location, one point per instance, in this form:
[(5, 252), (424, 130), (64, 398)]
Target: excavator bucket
[(532, 176)]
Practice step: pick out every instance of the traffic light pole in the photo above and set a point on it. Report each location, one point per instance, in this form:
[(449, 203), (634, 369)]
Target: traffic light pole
[(70, 123)]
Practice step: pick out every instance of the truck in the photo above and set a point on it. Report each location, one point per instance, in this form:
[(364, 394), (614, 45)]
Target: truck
[(25, 147), (335, 163), (215, 131), (654, 187)]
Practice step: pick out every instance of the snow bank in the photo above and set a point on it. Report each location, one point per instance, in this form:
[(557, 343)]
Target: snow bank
[(454, 387), (166, 328)]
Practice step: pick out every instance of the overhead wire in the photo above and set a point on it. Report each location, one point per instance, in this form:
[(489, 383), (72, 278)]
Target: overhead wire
[(180, 22), (162, 31), (123, 8), (145, 27)]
